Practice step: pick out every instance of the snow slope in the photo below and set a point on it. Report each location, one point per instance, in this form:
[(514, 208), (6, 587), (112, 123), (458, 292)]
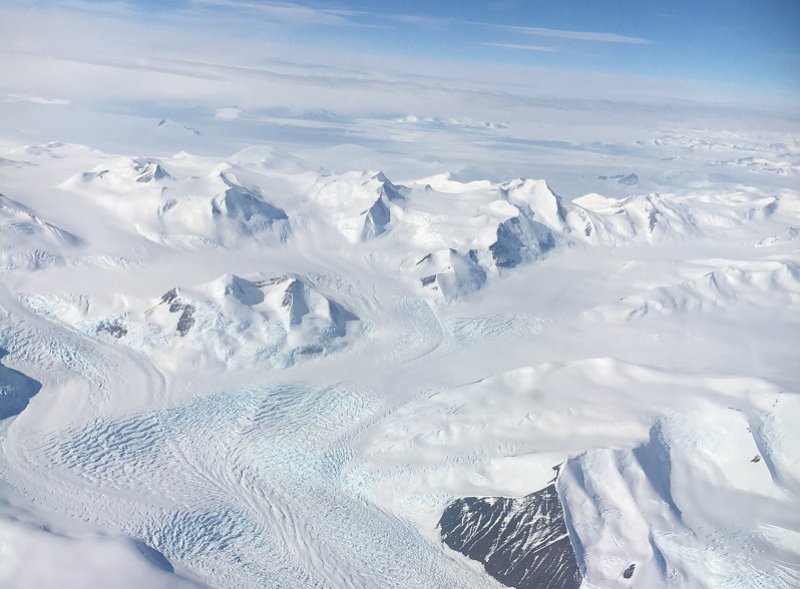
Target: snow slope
[(30, 242)]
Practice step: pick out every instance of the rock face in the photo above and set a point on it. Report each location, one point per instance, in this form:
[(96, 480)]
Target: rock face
[(522, 542), (521, 239), (245, 208), (379, 215)]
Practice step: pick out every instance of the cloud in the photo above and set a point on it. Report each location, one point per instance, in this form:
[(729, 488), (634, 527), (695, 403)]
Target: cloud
[(426, 21), (37, 100), (228, 113), (286, 12), (580, 35), (94, 59), (419, 20), (521, 46)]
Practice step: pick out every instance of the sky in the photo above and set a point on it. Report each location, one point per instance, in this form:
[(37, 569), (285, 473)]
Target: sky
[(748, 44), (509, 85), (738, 50)]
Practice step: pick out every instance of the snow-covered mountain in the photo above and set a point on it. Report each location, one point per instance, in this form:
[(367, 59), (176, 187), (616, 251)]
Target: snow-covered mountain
[(261, 373), (229, 322), (30, 242), (208, 211)]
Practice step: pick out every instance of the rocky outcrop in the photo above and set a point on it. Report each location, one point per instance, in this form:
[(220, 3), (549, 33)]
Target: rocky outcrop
[(522, 542)]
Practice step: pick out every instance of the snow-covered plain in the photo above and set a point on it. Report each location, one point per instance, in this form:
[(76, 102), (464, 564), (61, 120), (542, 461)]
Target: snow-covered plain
[(254, 372)]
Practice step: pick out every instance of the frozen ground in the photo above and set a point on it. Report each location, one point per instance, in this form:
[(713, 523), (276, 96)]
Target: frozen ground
[(255, 372)]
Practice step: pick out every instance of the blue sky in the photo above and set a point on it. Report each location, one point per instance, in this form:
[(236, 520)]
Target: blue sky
[(746, 43)]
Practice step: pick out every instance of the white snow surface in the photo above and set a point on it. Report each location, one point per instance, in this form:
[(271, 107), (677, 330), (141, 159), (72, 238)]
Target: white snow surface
[(259, 373)]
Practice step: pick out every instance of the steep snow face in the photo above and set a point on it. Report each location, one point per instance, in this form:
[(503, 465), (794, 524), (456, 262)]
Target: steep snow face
[(234, 214), (637, 508), (359, 205), (521, 239), (28, 241), (543, 203), (244, 208), (150, 170), (16, 390), (450, 273), (379, 215)]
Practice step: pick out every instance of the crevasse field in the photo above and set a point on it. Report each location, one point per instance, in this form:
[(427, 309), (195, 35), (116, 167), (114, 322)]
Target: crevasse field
[(509, 340)]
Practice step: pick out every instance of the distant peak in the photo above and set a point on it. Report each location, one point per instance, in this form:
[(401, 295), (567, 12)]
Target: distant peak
[(149, 170)]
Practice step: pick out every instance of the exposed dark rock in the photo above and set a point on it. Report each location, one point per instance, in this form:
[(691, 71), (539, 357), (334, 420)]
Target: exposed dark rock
[(522, 542), (276, 280), (294, 299), (186, 320), (628, 573), (624, 179), (310, 350), (176, 305), (426, 280), (628, 180), (112, 327), (506, 250), (170, 296), (89, 176), (389, 190), (653, 220), (520, 239), (339, 318), (756, 459), (169, 204), (561, 210), (294, 290)]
